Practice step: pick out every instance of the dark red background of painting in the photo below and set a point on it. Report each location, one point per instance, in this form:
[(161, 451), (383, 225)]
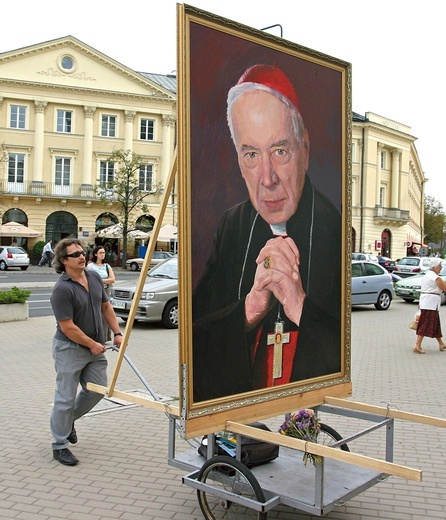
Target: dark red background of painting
[(217, 61)]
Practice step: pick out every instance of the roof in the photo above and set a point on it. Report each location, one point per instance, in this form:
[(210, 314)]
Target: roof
[(168, 81)]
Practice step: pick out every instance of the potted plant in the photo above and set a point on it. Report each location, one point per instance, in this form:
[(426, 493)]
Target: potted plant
[(14, 304)]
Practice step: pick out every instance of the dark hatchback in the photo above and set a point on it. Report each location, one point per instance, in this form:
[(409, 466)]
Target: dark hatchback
[(386, 262)]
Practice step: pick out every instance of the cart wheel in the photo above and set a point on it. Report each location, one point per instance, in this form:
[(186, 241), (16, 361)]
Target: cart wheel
[(327, 435), (228, 474)]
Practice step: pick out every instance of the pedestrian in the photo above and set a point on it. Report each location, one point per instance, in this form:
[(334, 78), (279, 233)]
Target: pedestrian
[(105, 271), (429, 324), (79, 301), (47, 254)]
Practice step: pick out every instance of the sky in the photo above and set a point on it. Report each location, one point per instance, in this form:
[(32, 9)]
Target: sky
[(396, 48)]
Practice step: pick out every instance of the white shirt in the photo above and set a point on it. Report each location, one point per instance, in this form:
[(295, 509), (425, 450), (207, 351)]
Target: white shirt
[(430, 298)]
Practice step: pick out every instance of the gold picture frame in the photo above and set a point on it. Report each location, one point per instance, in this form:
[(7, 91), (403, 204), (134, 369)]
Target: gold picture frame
[(214, 53)]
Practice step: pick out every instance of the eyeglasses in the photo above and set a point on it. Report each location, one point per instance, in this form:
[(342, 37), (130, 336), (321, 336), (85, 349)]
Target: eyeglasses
[(77, 254)]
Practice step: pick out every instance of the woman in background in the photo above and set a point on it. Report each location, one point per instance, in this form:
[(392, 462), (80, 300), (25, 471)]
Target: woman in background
[(106, 273), (429, 325)]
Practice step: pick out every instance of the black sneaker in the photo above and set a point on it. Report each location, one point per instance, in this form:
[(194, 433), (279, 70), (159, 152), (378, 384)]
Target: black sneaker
[(65, 457), (72, 438)]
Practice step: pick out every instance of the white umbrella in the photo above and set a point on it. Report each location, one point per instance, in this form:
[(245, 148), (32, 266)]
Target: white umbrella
[(14, 229), (115, 231), (167, 233)]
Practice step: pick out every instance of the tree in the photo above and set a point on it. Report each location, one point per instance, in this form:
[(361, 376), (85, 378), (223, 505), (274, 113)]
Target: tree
[(124, 189), (434, 220)]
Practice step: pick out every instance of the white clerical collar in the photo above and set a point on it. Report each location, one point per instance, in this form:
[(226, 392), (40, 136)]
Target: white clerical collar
[(278, 229)]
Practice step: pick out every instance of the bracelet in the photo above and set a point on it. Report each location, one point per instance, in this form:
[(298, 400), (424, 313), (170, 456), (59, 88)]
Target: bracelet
[(117, 334)]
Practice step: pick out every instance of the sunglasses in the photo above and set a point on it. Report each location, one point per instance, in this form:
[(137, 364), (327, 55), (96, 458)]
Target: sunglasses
[(77, 254)]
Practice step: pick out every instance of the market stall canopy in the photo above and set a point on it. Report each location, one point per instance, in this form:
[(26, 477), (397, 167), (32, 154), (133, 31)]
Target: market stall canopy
[(167, 233), (14, 229), (115, 231)]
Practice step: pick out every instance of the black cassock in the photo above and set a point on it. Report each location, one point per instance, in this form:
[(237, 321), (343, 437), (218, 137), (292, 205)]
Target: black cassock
[(227, 360)]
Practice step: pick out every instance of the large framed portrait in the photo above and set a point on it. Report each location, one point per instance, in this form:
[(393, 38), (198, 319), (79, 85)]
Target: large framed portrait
[(264, 168)]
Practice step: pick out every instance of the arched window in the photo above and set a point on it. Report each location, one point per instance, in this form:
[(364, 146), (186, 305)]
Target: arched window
[(15, 215), (61, 224), (145, 223)]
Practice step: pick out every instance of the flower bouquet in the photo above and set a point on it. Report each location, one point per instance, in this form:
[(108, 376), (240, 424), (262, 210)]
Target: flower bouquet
[(304, 425)]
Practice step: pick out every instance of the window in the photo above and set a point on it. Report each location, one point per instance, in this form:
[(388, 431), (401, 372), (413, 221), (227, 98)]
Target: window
[(106, 173), (64, 121), (383, 159), (146, 177), (67, 63), (108, 128), (382, 193), (353, 152), (146, 133), (62, 176), (18, 117), (16, 168)]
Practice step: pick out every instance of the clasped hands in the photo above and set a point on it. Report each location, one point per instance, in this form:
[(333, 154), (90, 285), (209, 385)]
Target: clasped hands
[(277, 278)]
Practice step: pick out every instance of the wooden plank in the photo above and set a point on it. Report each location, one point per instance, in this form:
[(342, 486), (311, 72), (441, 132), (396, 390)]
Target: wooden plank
[(386, 412), (380, 466), (143, 401), (210, 423), (142, 277)]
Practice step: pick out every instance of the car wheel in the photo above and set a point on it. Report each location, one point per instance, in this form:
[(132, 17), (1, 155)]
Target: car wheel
[(384, 301), (24, 268), (408, 300), (3, 266), (170, 315), (443, 298), (133, 266)]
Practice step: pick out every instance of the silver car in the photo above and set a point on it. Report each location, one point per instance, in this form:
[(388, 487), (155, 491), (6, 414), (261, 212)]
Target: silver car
[(159, 298), (13, 256), (411, 265), (371, 284), (135, 264)]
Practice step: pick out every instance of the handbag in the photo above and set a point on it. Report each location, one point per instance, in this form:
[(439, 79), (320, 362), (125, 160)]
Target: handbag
[(413, 325), (254, 452)]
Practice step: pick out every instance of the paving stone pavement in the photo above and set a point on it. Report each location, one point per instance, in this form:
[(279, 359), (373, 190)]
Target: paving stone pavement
[(124, 473)]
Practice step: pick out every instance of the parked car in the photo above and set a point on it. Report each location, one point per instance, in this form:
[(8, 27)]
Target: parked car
[(386, 262), (371, 284), (13, 256), (135, 264), (409, 288), (159, 298), (411, 265), (365, 256)]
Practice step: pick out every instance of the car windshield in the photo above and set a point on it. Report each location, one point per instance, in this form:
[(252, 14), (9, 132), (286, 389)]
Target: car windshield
[(16, 250), (409, 261), (167, 269)]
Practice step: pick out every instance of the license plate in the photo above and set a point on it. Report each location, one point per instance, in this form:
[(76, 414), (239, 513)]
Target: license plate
[(117, 305), (404, 292), (405, 269)]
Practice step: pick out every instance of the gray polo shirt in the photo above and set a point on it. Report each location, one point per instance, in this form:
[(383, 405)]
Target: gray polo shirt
[(70, 300)]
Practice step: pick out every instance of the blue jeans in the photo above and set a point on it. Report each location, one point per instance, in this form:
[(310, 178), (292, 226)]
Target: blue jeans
[(74, 365)]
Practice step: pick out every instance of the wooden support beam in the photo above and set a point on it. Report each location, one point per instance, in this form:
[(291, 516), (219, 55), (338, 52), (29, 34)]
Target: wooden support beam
[(142, 276), (137, 399), (380, 466), (386, 412)]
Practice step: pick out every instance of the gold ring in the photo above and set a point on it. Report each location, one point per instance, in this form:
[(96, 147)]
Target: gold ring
[(267, 262)]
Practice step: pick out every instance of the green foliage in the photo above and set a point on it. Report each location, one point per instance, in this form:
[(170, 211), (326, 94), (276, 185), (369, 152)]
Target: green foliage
[(434, 220), (15, 295), (124, 190), (38, 248)]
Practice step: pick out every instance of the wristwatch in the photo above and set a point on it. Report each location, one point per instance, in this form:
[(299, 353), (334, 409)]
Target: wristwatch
[(117, 334)]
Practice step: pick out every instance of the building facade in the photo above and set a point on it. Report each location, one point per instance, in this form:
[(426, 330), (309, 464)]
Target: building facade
[(387, 188), (64, 109)]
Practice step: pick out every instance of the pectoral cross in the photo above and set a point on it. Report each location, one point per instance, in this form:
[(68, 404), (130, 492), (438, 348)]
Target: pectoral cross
[(278, 338)]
